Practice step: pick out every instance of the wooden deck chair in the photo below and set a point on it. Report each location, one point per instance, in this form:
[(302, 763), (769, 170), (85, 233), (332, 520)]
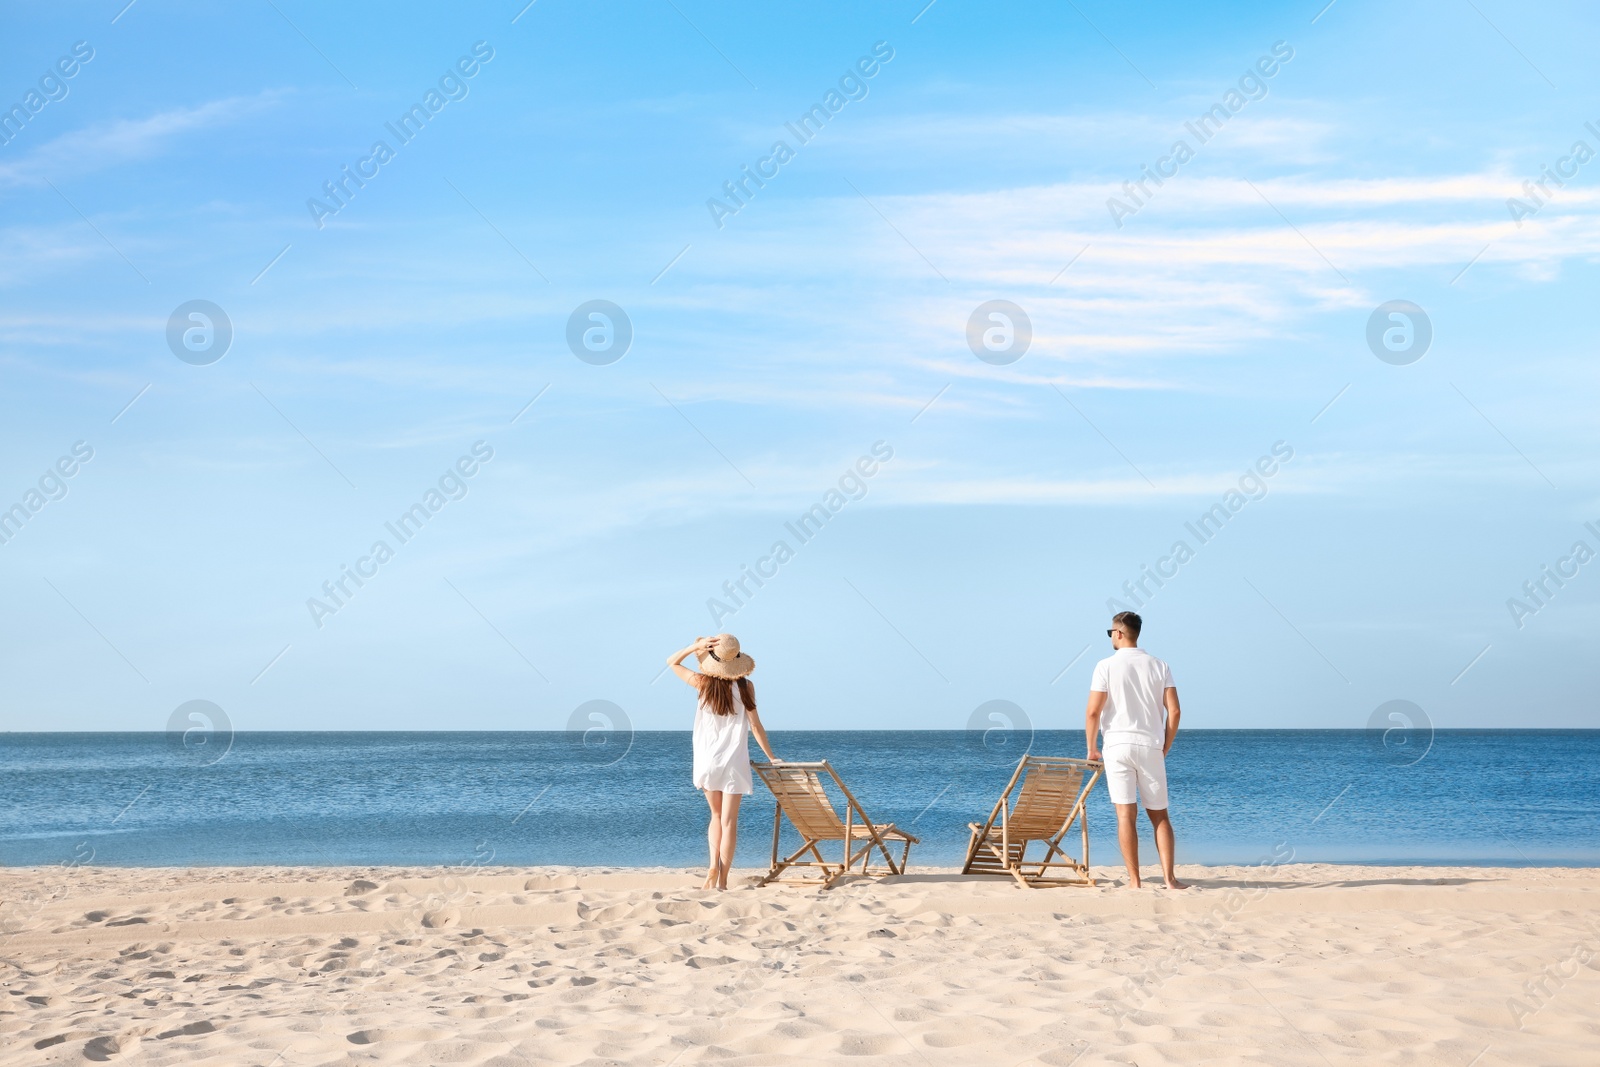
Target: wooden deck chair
[(798, 790), (1051, 798)]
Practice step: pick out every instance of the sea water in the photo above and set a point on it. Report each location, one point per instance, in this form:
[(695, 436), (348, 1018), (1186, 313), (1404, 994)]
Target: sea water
[(1512, 797)]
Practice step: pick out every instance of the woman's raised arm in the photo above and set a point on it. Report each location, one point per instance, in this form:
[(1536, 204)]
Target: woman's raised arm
[(675, 661)]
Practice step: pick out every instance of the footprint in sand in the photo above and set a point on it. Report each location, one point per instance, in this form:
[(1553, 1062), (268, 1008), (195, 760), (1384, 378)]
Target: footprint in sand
[(950, 1038), (377, 1035), (866, 1044), (551, 882), (101, 1049), (702, 962)]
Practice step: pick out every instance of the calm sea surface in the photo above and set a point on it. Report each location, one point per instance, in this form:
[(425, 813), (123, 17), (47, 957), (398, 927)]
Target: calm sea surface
[(1480, 796)]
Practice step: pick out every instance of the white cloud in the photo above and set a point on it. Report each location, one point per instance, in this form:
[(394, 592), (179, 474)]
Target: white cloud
[(108, 144)]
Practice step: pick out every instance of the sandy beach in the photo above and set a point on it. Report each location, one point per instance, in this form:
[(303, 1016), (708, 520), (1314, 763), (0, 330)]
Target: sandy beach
[(1295, 964)]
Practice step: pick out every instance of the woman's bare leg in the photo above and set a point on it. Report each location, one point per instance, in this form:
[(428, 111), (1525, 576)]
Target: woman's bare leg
[(713, 837), (730, 836)]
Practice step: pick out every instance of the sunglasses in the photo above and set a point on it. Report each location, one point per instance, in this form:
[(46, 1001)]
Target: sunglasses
[(1110, 633)]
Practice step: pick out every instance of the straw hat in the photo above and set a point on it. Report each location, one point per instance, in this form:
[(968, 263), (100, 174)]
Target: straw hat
[(724, 660)]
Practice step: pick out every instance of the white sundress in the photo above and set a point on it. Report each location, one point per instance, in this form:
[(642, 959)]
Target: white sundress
[(721, 748)]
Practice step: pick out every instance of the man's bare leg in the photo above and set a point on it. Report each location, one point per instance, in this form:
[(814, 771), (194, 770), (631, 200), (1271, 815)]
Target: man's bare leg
[(1128, 839), (1165, 844)]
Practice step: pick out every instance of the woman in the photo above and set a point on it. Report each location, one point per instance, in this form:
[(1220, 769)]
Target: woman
[(723, 720)]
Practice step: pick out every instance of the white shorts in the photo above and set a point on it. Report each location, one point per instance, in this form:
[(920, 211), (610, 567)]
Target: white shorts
[(1136, 772)]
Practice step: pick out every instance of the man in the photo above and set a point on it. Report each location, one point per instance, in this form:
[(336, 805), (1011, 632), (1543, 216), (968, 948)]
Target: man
[(1126, 699)]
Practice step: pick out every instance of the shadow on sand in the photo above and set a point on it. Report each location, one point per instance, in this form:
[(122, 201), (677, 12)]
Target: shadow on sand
[(1202, 882)]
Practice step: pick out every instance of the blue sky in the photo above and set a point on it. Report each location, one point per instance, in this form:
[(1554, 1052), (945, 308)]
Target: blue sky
[(1225, 316)]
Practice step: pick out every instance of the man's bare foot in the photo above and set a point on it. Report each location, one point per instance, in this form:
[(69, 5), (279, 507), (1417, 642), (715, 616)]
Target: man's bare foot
[(1173, 883)]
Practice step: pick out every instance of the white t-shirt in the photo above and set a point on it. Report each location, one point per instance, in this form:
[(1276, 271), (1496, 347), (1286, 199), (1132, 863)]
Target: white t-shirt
[(1135, 684)]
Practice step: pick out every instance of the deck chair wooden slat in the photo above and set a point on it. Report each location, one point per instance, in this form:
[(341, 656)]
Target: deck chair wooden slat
[(1051, 792), (800, 797)]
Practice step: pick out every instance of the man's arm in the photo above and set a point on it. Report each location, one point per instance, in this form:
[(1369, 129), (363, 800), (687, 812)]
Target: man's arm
[(1174, 713), (1091, 722)]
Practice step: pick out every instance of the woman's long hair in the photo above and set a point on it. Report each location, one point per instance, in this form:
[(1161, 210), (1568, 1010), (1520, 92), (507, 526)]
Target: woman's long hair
[(718, 694)]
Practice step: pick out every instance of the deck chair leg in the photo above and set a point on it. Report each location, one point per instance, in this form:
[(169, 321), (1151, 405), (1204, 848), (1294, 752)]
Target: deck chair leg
[(1016, 872), (1006, 865), (849, 835), (883, 847), (1050, 849), (872, 848), (1053, 847), (1068, 861), (973, 844), (782, 865), (875, 847), (827, 867), (1088, 876), (867, 851)]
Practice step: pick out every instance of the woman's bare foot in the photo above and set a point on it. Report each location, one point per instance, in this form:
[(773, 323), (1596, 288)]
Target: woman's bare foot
[(1173, 883), (710, 882)]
